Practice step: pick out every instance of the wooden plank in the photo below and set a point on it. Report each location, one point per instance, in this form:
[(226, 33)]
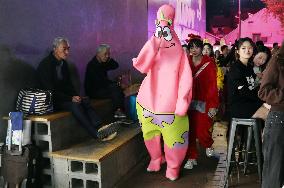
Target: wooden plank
[(94, 150), (97, 104), (48, 117)]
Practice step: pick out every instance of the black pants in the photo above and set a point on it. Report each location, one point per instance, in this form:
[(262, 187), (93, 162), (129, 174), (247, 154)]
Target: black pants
[(114, 92), (84, 113), (273, 151)]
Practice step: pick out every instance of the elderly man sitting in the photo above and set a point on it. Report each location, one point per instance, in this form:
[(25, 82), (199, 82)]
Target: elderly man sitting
[(53, 74), (97, 83)]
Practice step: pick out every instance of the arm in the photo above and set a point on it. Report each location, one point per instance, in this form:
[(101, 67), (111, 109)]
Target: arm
[(111, 64), (185, 87), (70, 86), (269, 91), (46, 79), (240, 85), (145, 59)]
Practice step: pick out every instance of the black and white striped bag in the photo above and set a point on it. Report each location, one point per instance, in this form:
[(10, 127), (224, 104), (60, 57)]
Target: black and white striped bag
[(33, 101)]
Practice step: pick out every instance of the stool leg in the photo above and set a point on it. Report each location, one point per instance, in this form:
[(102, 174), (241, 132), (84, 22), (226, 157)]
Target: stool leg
[(230, 147), (247, 148), (258, 145)]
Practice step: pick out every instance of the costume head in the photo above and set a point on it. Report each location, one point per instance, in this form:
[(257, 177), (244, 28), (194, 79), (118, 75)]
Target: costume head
[(165, 28)]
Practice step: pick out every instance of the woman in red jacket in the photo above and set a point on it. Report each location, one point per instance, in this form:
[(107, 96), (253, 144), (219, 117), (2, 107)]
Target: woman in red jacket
[(204, 101)]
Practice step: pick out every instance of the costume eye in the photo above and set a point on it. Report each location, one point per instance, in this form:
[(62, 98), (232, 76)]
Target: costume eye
[(167, 33), (158, 32)]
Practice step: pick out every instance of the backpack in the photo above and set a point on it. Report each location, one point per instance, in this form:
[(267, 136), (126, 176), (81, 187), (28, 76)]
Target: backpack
[(33, 101), (20, 165)]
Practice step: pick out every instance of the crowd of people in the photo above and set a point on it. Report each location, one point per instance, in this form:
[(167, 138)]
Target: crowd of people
[(185, 90), (251, 79)]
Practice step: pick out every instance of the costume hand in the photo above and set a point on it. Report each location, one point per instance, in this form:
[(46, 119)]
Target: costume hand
[(76, 99), (212, 112), (156, 43)]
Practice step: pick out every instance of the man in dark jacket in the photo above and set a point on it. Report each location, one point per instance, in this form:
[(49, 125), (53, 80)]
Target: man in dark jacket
[(53, 74), (97, 83)]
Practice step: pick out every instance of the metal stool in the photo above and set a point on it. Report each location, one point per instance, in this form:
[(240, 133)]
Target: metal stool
[(254, 126)]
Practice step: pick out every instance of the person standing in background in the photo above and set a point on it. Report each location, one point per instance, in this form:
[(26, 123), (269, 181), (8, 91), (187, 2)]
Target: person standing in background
[(272, 91), (205, 101)]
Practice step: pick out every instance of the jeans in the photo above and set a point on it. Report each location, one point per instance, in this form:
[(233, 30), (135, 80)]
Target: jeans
[(114, 92), (273, 151), (84, 113)]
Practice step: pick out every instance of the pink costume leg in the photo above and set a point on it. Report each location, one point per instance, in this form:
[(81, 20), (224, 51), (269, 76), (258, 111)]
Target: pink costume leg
[(174, 157), (154, 149)]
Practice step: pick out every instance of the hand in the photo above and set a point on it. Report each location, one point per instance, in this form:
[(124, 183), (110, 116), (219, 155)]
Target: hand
[(76, 99), (259, 75), (212, 112)]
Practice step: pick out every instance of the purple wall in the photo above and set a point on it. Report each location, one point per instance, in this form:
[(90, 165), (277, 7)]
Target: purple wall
[(27, 29)]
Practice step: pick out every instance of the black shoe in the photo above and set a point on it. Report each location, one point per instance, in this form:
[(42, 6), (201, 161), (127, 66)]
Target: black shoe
[(126, 121), (107, 130), (119, 114)]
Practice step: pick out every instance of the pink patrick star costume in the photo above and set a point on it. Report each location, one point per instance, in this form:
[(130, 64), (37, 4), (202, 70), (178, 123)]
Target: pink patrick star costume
[(164, 95)]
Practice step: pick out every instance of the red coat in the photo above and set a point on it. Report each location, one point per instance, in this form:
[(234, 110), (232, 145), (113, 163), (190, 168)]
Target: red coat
[(205, 84)]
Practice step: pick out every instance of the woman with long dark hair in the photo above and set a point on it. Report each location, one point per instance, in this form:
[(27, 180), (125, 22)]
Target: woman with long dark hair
[(272, 91), (260, 61), (242, 92)]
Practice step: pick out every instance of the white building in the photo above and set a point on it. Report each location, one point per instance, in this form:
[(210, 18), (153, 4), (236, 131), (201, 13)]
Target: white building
[(259, 26)]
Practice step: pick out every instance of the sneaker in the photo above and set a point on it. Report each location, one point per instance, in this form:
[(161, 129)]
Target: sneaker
[(108, 130), (110, 137), (209, 152), (126, 121), (119, 114), (190, 163)]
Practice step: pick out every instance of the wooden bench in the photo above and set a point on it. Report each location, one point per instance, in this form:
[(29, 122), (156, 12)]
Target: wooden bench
[(60, 130), (99, 164)]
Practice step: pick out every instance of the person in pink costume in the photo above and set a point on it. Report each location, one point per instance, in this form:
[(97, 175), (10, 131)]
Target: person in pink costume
[(164, 95)]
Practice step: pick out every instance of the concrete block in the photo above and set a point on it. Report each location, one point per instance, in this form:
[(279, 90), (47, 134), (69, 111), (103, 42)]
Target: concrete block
[(47, 180), (42, 128), (60, 165), (61, 180)]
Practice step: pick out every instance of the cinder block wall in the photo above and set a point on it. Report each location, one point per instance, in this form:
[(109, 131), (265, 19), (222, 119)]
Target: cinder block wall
[(28, 28)]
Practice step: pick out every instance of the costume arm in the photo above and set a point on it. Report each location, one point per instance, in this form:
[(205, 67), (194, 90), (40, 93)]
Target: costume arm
[(269, 91), (185, 87), (145, 59)]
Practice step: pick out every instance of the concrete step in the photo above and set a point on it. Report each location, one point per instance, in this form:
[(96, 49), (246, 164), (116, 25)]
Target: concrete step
[(99, 163)]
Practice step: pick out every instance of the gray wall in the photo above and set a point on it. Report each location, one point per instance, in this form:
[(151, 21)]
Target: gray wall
[(27, 29)]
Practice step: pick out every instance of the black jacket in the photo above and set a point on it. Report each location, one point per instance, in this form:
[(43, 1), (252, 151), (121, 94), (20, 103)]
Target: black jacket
[(47, 77), (242, 91), (96, 77)]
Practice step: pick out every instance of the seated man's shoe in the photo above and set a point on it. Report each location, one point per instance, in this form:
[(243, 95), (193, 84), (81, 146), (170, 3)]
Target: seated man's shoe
[(108, 132), (119, 114), (126, 121), (110, 137), (209, 152), (190, 163)]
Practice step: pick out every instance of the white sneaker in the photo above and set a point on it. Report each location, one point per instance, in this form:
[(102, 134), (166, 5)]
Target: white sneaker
[(190, 163), (209, 152)]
